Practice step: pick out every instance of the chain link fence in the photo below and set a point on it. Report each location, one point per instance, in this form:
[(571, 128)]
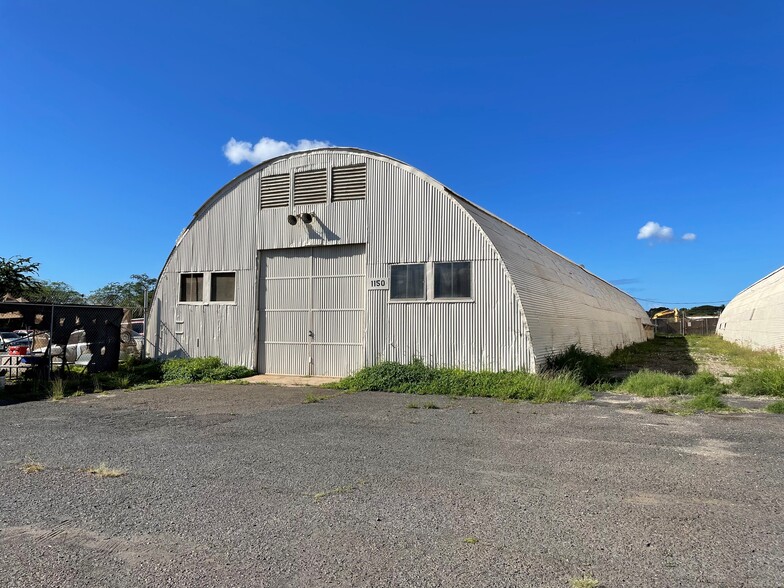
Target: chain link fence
[(56, 337), (689, 325)]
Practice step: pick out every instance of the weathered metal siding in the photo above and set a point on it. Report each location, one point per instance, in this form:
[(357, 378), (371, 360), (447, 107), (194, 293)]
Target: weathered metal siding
[(412, 219), (335, 223), (406, 217), (221, 238), (563, 303), (755, 317)]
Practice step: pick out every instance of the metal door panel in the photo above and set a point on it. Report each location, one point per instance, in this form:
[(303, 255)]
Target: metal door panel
[(313, 313)]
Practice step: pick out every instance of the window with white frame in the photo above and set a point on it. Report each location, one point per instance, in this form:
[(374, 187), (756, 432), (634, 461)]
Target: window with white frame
[(407, 281)]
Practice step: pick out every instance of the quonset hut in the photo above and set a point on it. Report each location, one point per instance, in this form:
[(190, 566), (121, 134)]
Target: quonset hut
[(321, 262), (755, 317)]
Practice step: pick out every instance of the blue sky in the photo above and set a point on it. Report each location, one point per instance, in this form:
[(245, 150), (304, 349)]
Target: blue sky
[(579, 122)]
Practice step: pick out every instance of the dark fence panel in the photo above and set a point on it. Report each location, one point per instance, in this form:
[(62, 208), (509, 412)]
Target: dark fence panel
[(62, 335)]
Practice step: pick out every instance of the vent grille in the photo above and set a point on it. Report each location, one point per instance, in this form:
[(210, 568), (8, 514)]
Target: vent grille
[(275, 191), (349, 183), (310, 187)]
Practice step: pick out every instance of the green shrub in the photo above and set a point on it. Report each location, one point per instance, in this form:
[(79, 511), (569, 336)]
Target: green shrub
[(418, 378), (198, 369), (763, 382), (647, 383), (191, 369), (707, 402), (230, 372), (589, 367), (775, 407)]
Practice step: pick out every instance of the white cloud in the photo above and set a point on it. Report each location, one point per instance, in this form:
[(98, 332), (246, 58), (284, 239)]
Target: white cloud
[(689, 237), (238, 151), (652, 230)]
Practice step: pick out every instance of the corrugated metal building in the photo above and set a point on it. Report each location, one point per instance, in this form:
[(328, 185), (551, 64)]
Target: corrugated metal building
[(755, 317), (321, 262)]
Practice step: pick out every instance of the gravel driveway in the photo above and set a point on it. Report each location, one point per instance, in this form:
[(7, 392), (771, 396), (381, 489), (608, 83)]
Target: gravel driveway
[(231, 485)]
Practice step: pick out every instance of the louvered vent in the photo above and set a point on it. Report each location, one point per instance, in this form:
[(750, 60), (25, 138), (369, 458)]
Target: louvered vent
[(349, 183), (275, 191), (310, 187)]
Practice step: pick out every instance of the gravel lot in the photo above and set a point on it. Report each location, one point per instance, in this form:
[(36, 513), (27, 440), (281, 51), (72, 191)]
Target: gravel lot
[(231, 485)]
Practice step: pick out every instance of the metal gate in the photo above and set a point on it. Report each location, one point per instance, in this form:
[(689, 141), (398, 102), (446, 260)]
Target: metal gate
[(313, 310)]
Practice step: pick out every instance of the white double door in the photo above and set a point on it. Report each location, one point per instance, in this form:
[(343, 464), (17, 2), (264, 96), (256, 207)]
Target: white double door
[(313, 310)]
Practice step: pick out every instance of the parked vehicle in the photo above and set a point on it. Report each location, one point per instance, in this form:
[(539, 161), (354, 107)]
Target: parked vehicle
[(9, 338), (77, 350)]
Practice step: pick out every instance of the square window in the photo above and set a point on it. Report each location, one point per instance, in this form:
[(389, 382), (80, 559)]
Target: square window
[(452, 280), (407, 282), (191, 287), (222, 287)]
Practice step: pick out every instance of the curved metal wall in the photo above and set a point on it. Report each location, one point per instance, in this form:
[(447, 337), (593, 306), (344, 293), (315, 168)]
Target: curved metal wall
[(563, 303), (406, 217), (527, 301), (755, 317)]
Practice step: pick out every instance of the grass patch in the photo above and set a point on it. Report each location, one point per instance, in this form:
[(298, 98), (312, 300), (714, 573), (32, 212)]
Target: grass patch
[(431, 406), (57, 390), (648, 384), (312, 398), (734, 353), (471, 540), (32, 467), (133, 374), (412, 405), (102, 470), (585, 582), (658, 409), (418, 378), (775, 407), (707, 402), (760, 382), (339, 490)]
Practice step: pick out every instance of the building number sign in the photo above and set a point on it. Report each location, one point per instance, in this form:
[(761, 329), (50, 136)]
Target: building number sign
[(378, 284)]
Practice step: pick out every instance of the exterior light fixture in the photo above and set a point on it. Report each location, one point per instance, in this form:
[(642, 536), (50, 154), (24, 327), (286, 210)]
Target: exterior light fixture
[(292, 220), (306, 217)]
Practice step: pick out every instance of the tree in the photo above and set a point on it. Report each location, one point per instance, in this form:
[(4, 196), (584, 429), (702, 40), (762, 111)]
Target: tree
[(128, 294), (16, 276), (57, 293)]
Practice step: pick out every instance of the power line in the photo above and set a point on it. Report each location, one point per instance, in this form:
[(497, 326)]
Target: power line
[(671, 303)]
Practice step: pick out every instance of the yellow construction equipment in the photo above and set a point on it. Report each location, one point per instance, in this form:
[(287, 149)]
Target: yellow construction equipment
[(673, 312)]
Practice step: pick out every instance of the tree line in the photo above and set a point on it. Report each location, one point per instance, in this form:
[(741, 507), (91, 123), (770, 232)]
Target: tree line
[(18, 279)]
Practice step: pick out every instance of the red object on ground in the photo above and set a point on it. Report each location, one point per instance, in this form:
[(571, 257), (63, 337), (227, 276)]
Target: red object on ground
[(17, 350)]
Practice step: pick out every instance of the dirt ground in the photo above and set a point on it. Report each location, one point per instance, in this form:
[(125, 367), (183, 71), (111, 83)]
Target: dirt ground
[(254, 485)]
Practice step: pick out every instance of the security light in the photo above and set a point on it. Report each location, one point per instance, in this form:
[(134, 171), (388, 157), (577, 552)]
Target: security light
[(291, 219), (306, 217)]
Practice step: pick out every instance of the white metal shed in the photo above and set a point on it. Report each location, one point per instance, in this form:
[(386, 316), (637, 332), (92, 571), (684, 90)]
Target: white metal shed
[(755, 317), (321, 262)]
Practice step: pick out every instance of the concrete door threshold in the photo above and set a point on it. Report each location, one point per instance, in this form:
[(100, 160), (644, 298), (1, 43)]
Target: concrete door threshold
[(278, 380)]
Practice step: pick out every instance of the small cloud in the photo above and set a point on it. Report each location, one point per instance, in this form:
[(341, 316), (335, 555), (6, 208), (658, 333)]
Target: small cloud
[(624, 281), (266, 148), (652, 230), (689, 237)]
